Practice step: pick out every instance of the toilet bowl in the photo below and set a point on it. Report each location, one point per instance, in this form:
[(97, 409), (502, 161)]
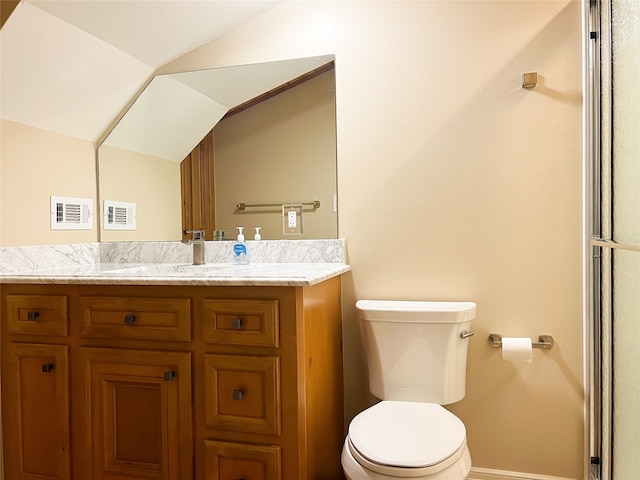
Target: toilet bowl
[(406, 439)]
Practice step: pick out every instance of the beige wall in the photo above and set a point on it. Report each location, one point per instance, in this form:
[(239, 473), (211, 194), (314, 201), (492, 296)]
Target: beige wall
[(152, 183), (457, 184), (34, 165), (454, 184), (294, 130)]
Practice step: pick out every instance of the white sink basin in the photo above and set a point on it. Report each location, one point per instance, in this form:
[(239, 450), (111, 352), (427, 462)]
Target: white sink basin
[(170, 270)]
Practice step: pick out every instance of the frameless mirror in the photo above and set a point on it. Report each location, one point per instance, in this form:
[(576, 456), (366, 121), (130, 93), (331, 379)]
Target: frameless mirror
[(250, 143)]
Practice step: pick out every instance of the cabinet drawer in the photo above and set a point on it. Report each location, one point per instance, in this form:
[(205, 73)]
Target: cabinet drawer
[(225, 460), (37, 314), (136, 318), (241, 322), (243, 393)]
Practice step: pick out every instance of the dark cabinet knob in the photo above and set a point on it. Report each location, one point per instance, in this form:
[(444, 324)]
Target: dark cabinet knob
[(32, 315), (168, 376), (236, 324), (129, 319), (47, 367), (238, 394)]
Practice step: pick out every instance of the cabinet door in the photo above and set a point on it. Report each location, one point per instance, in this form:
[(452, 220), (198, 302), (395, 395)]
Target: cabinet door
[(139, 420), (35, 397)]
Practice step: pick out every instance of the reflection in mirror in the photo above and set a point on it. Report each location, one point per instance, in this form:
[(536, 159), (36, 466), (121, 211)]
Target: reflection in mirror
[(164, 168)]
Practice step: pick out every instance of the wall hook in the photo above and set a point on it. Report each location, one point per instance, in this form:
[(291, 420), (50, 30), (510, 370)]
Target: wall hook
[(529, 80)]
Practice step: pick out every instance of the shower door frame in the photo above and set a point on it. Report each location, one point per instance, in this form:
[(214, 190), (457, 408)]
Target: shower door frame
[(599, 370), (594, 231), (599, 262)]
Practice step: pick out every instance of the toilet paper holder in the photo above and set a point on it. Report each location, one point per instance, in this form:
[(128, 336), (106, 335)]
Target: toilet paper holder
[(544, 341)]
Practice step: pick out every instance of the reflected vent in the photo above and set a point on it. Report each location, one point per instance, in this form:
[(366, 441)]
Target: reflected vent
[(69, 213), (119, 215)]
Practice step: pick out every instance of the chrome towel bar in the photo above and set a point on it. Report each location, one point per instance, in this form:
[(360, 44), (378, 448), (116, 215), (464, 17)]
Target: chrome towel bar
[(243, 206), (544, 341)]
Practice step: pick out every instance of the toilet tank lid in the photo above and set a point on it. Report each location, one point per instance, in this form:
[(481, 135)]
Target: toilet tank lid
[(416, 311)]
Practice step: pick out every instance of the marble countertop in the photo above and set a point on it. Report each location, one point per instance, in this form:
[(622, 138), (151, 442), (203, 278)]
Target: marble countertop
[(254, 274)]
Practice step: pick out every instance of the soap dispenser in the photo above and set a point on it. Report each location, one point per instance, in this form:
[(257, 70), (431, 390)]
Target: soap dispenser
[(257, 236), (240, 252)]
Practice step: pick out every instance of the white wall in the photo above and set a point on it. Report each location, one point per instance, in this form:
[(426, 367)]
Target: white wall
[(34, 165), (152, 183), (457, 184)]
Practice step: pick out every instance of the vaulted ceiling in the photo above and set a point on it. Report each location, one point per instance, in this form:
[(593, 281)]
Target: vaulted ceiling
[(70, 66)]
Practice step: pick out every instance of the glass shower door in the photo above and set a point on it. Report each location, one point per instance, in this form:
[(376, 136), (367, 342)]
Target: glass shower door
[(614, 152), (625, 161), (626, 365)]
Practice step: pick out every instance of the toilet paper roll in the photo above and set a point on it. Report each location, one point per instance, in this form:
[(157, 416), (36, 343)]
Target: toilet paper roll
[(516, 349)]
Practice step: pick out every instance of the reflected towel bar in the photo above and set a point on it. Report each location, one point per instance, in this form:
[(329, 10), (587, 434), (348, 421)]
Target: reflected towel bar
[(544, 341), (243, 206)]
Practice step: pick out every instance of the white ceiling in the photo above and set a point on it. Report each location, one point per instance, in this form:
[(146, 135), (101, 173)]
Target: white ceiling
[(71, 66)]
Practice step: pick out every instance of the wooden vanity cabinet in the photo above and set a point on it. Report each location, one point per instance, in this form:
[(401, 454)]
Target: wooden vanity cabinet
[(167, 382)]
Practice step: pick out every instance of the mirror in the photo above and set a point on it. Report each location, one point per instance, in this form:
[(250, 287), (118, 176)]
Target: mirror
[(270, 132)]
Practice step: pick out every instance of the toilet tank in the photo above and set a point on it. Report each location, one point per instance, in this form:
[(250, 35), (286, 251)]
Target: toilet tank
[(415, 351)]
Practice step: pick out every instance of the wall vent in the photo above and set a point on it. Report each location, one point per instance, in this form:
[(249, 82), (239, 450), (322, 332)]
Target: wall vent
[(70, 213), (119, 215)]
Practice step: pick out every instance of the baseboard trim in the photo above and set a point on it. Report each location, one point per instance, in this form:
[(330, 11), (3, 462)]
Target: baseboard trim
[(492, 474)]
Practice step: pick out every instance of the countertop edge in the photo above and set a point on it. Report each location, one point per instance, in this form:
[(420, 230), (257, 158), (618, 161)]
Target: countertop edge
[(106, 278)]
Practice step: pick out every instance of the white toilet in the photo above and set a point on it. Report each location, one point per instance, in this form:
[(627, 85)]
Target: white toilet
[(417, 357)]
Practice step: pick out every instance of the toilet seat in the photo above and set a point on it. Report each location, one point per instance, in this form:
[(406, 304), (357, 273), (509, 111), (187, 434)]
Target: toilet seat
[(406, 439)]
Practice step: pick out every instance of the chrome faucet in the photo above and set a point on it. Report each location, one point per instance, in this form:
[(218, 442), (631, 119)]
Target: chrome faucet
[(198, 245), (219, 234)]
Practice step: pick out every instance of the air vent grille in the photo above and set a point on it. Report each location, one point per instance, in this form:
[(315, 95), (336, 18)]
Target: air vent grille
[(119, 215), (71, 213)]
